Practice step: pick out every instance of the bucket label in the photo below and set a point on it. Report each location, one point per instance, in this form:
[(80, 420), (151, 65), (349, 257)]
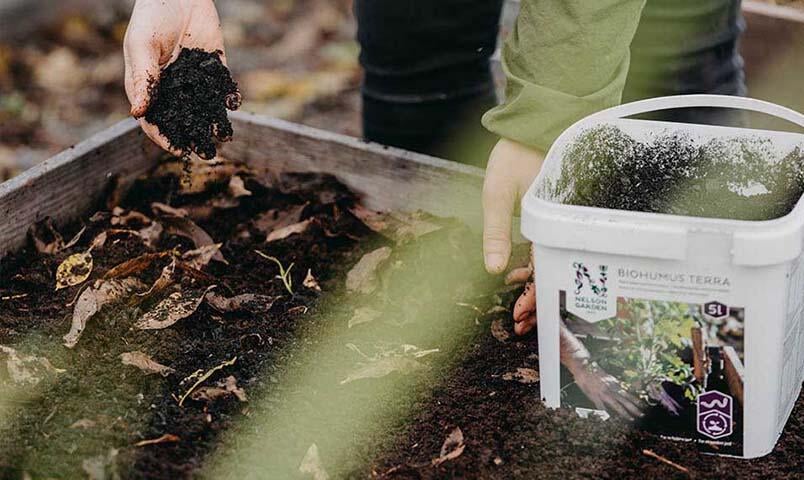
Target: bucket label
[(591, 294), (674, 368)]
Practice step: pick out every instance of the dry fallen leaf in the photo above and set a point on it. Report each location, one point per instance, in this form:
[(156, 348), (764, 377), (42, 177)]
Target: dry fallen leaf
[(248, 302), (382, 367), (275, 219), (74, 270), (91, 300), (196, 175), (498, 330), (134, 265), (160, 209), (200, 257), (362, 277), (452, 448), (311, 282), (225, 388), (185, 227), (84, 423), (26, 369), (285, 232), (364, 315), (177, 306), (145, 363), (311, 464), (522, 375), (166, 438), (237, 187), (399, 227)]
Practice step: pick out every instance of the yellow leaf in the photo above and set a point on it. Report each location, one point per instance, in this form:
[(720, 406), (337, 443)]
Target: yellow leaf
[(74, 270)]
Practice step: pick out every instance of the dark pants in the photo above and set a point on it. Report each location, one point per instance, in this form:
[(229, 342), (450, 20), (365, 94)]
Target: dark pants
[(428, 78)]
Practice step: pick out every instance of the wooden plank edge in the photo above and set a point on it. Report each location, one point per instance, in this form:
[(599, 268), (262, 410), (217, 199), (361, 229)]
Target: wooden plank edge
[(356, 144)]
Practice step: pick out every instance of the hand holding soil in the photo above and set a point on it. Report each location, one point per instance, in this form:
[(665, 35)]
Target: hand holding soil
[(158, 33)]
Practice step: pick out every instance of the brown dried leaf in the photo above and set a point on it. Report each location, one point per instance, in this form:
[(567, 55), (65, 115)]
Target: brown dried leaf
[(26, 369), (362, 277), (498, 330), (247, 302), (121, 217), (196, 175), (135, 265), (185, 227), (200, 257), (522, 375), (383, 366), (161, 209), (175, 307), (364, 315), (275, 219), (311, 282), (399, 227), (145, 363), (311, 464), (237, 187), (166, 438), (91, 300), (74, 270), (452, 448), (225, 388), (84, 423), (288, 231)]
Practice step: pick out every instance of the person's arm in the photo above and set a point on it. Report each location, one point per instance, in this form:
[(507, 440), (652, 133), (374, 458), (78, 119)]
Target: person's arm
[(156, 34), (564, 60)]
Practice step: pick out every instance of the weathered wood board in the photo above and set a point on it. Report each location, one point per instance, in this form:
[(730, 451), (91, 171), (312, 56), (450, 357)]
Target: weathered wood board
[(69, 185)]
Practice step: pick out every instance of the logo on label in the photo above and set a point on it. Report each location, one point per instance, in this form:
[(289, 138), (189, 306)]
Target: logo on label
[(715, 310), (590, 298), (582, 277), (715, 414)]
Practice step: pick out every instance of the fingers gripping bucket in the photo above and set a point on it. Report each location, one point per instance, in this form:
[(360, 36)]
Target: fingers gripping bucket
[(697, 321)]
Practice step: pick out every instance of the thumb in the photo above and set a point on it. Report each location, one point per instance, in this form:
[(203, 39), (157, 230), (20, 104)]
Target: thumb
[(499, 199), (142, 71)]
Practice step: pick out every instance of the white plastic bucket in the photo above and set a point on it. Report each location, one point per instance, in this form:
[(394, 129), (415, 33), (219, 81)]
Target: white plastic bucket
[(747, 273)]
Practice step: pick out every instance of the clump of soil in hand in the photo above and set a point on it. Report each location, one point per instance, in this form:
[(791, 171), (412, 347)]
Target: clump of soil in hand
[(738, 179), (189, 103)]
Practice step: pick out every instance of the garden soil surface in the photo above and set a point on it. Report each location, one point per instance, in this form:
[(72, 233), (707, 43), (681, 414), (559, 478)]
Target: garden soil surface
[(407, 341)]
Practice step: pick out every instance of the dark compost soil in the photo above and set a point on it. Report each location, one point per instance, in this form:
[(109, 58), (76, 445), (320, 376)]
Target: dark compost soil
[(376, 398), (673, 174), (190, 100)]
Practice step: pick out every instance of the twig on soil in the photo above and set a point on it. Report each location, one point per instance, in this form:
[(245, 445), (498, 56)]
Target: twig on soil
[(166, 438), (652, 454), (204, 378), (14, 297), (284, 274)]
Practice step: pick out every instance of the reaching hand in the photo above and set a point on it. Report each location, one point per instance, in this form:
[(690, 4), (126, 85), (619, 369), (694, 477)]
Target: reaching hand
[(156, 34), (510, 171)]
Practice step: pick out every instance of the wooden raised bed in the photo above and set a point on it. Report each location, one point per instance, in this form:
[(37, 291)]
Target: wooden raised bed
[(68, 185)]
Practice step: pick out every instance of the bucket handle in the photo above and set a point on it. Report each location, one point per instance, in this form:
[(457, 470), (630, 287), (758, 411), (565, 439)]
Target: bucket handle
[(697, 101)]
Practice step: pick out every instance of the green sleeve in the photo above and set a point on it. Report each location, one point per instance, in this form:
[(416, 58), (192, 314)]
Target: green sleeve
[(564, 60)]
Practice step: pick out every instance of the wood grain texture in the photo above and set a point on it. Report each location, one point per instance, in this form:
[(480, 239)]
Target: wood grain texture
[(66, 186)]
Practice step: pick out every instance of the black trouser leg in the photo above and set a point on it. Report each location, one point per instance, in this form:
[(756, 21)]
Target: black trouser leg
[(427, 75)]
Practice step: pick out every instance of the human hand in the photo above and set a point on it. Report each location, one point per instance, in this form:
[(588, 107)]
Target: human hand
[(510, 171), (156, 34)]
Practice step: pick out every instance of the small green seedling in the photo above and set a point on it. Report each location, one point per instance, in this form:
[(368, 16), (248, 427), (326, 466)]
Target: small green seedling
[(284, 274)]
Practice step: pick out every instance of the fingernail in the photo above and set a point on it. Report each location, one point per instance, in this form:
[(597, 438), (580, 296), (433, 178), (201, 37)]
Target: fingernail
[(494, 262)]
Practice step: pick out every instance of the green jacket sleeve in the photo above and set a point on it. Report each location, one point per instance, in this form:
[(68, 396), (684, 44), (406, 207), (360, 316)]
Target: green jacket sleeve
[(565, 59)]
